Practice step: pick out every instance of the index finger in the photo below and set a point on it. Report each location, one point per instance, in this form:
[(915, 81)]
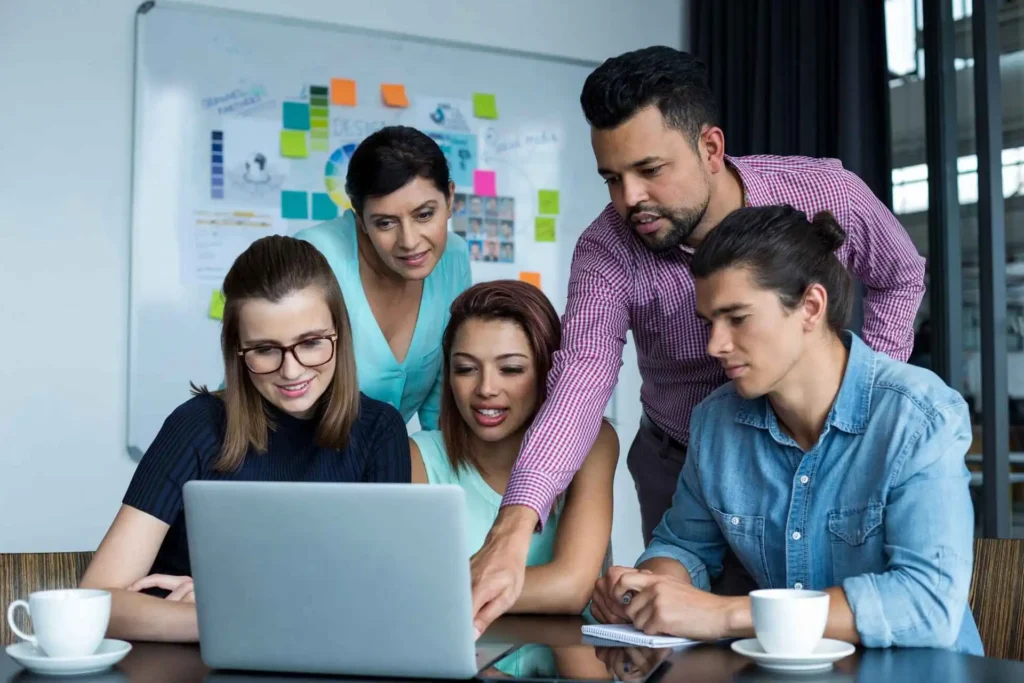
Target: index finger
[(484, 593)]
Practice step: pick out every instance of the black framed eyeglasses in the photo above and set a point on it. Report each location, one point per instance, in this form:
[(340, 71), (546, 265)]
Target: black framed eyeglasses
[(310, 353)]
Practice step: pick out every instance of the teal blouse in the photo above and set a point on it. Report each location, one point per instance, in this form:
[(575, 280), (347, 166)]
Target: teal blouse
[(482, 502), (414, 385)]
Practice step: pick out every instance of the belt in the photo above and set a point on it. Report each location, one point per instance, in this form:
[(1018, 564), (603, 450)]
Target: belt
[(659, 433)]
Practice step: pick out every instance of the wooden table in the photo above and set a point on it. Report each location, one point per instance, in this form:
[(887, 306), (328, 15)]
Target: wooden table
[(158, 663)]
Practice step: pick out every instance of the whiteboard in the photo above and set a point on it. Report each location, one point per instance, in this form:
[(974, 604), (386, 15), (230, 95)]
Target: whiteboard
[(210, 171)]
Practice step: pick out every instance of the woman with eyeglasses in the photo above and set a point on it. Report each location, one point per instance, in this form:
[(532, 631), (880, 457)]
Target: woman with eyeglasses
[(291, 410), (398, 266)]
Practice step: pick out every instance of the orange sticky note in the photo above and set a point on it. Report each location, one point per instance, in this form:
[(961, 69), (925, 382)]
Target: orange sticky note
[(343, 92), (532, 278), (394, 95)]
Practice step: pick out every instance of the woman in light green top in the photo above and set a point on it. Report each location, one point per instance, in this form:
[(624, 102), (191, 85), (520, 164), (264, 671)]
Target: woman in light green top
[(497, 352), (398, 267)]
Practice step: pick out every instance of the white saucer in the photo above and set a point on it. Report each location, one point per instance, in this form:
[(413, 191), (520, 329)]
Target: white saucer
[(824, 654), (32, 658)]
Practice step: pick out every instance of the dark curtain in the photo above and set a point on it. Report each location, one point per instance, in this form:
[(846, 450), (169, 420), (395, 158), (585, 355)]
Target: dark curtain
[(805, 77)]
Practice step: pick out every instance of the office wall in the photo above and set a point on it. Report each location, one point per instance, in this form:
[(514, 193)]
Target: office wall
[(65, 128)]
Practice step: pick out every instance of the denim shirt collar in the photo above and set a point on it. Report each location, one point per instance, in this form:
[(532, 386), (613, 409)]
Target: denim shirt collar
[(851, 408)]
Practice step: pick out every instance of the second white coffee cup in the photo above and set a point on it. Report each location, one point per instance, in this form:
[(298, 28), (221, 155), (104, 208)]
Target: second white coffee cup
[(789, 621), (66, 623)]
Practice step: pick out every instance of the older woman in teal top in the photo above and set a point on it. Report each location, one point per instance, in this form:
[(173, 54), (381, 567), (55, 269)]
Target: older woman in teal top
[(398, 266), (497, 352)]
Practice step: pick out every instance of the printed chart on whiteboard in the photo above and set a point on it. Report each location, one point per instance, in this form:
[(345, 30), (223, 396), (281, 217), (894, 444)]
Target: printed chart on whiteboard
[(278, 175)]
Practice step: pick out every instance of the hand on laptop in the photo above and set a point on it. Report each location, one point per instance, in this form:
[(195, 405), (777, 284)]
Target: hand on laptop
[(499, 568), (180, 587)]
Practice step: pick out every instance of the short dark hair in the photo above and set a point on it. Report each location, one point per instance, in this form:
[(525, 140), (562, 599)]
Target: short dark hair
[(785, 252), (673, 81), (388, 159)]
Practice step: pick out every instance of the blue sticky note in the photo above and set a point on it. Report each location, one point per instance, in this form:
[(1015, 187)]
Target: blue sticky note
[(295, 115), (294, 205), (324, 208)]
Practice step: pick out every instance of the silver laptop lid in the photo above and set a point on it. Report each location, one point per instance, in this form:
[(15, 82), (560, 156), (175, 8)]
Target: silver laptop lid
[(362, 579)]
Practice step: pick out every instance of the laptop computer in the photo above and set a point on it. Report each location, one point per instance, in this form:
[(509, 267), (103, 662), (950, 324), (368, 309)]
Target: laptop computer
[(358, 579)]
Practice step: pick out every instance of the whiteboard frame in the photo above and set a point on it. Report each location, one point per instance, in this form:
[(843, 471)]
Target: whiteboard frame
[(144, 10)]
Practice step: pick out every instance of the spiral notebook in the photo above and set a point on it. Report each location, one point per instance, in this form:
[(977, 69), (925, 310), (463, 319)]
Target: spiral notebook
[(625, 633)]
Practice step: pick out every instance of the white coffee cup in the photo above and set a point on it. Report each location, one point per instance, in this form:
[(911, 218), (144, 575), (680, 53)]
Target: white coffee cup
[(788, 621), (67, 623)]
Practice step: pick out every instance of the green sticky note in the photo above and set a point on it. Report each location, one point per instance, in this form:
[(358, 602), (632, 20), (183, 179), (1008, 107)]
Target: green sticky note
[(293, 144), (217, 305), (544, 229), (485, 106), (547, 202)]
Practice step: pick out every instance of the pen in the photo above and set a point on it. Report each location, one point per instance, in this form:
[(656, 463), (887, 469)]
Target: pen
[(627, 597)]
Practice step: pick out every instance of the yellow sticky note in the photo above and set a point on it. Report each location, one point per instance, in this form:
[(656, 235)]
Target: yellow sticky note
[(394, 95), (343, 92), (547, 202), (544, 229), (217, 305), (293, 144), (532, 278), (485, 105)]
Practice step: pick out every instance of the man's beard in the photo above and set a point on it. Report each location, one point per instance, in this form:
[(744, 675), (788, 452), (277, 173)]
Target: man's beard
[(682, 224)]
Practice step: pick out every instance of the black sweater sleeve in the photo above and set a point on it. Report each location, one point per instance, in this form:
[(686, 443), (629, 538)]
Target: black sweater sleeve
[(188, 440)]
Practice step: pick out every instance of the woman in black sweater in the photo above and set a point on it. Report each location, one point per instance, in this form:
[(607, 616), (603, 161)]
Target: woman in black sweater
[(291, 410)]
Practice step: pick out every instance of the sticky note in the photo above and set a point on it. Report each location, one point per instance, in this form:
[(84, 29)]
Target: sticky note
[(294, 205), (547, 202), (343, 92), (217, 305), (295, 115), (532, 278), (324, 208), (394, 95), (485, 183), (319, 145), (485, 106), (293, 144), (544, 229)]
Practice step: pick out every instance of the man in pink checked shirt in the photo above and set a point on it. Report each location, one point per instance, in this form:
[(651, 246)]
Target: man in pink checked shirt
[(659, 150)]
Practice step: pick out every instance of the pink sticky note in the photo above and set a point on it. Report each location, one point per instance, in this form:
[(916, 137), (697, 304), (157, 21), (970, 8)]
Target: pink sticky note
[(485, 184)]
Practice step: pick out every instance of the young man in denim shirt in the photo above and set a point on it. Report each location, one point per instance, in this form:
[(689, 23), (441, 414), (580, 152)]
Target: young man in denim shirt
[(823, 464)]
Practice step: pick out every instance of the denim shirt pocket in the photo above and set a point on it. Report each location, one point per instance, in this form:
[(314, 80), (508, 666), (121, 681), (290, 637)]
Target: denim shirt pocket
[(745, 535), (858, 544)]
